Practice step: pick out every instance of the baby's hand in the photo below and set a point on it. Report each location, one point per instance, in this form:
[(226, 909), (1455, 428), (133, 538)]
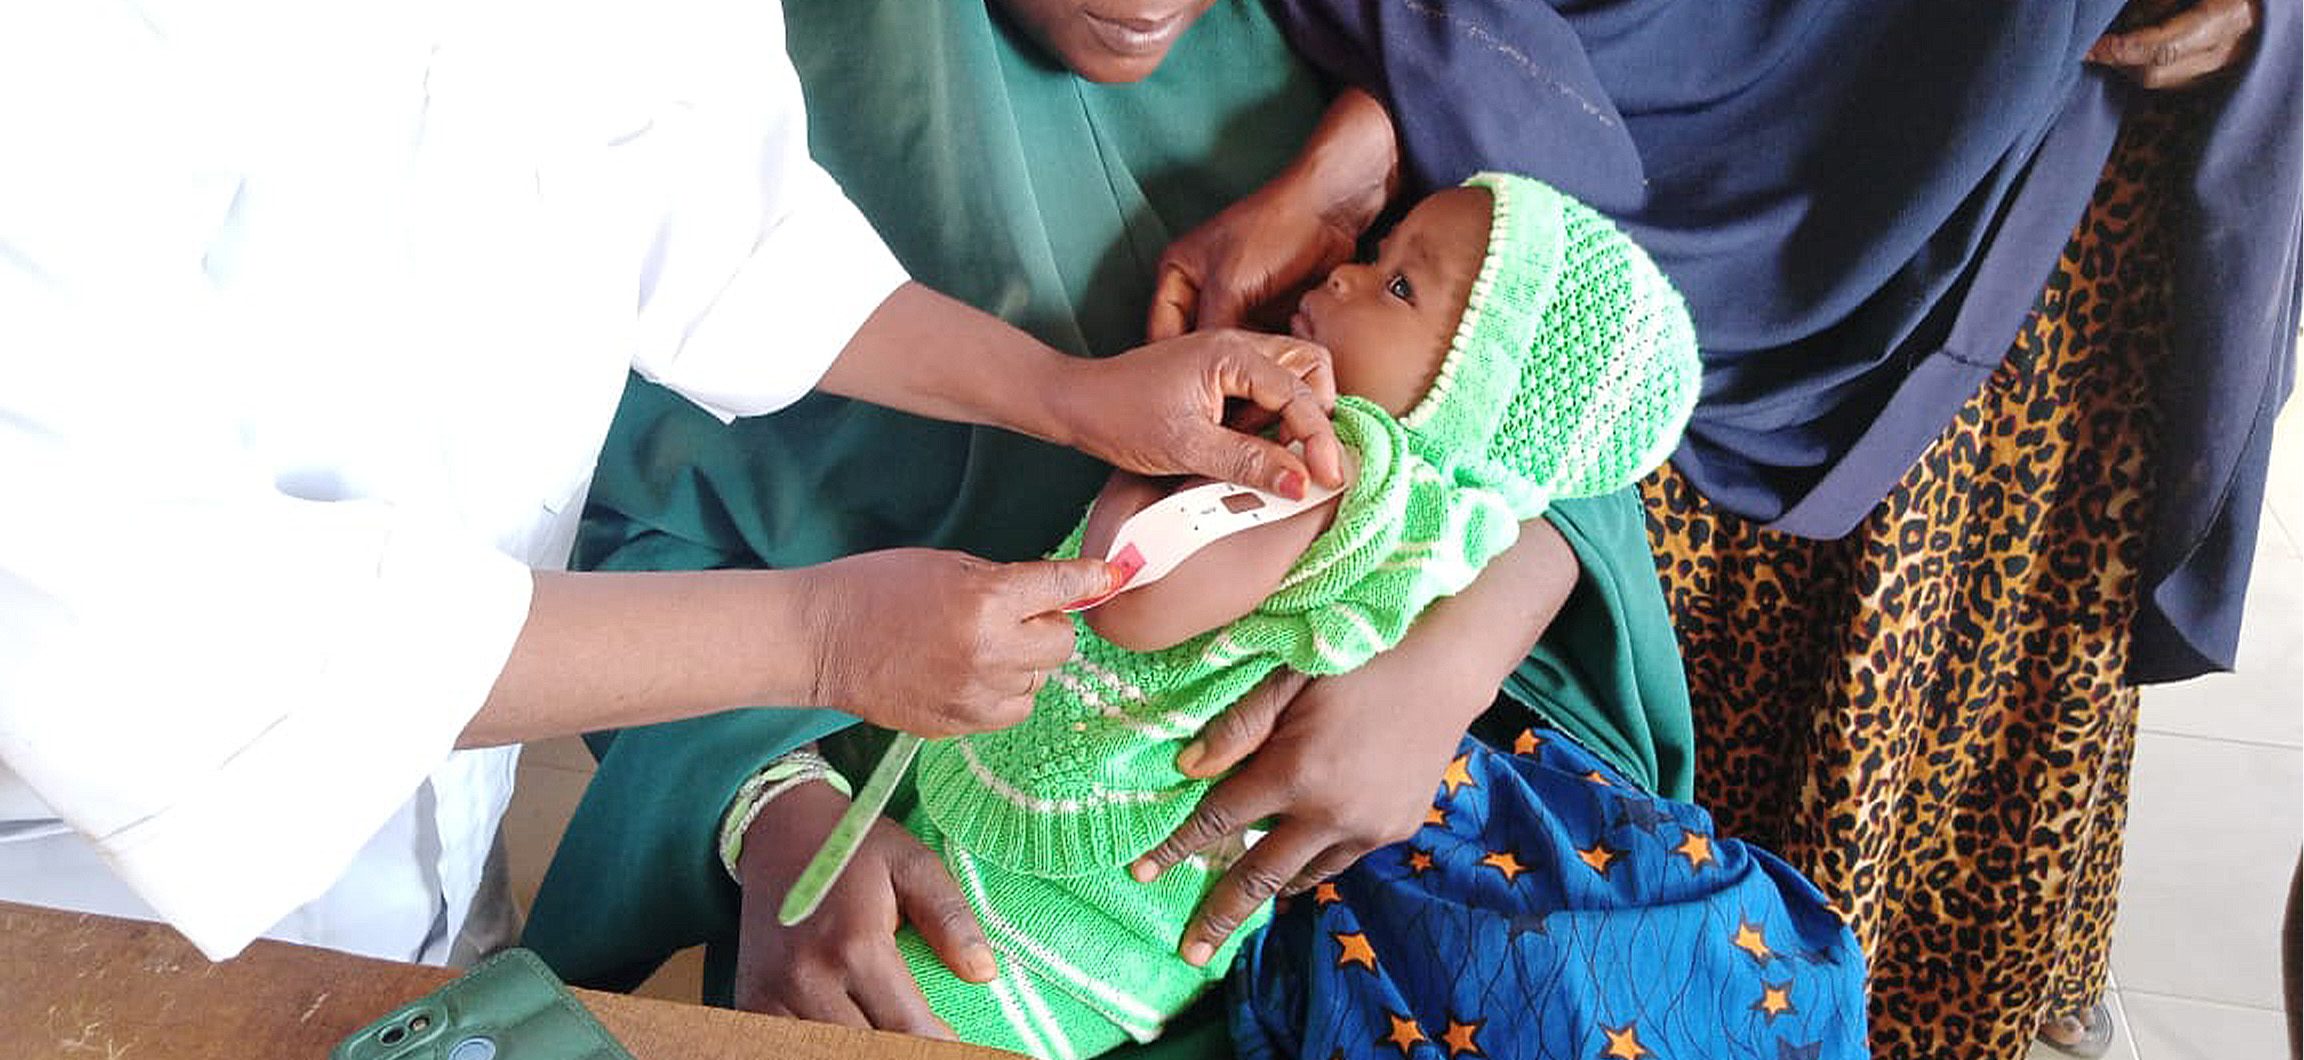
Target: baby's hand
[(841, 964)]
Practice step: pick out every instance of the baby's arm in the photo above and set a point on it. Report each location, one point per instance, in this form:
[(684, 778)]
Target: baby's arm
[(1216, 585)]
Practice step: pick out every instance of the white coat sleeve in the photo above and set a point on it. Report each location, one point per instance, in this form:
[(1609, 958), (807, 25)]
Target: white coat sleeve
[(760, 269), (225, 688)]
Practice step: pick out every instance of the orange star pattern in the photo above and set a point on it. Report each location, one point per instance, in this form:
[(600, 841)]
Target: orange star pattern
[(1353, 948), (1419, 861), (1325, 894), (1436, 817), (1503, 861), (1624, 1043), (1463, 1038), (1405, 1033), (1459, 774), (1697, 848), (1600, 857), (1775, 999), (1527, 742), (1598, 777), (1752, 940)]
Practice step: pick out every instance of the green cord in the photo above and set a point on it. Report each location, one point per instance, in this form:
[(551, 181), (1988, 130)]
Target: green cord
[(848, 833)]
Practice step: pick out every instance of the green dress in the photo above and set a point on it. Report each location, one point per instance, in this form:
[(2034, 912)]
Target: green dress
[(998, 178)]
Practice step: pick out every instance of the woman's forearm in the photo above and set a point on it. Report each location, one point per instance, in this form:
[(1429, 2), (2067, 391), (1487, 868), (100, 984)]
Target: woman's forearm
[(608, 650), (931, 355), (1350, 167), (1470, 642)]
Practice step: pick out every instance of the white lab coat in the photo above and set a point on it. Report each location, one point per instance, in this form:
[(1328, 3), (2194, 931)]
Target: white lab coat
[(312, 318)]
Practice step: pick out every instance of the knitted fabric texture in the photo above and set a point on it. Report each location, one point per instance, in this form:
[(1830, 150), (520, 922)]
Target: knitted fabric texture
[(1089, 782), (1038, 822), (1571, 373), (1574, 368)]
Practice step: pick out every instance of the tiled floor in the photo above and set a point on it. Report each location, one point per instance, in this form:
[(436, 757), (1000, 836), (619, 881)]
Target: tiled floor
[(2215, 821), (2215, 824)]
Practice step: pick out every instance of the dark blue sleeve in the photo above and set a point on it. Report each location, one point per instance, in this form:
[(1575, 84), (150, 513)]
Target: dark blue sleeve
[(1474, 85)]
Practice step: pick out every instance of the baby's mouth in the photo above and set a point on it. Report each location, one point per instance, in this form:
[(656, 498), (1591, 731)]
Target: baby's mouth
[(1300, 323)]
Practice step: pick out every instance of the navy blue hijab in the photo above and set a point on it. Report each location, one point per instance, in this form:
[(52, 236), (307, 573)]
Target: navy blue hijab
[(1862, 202)]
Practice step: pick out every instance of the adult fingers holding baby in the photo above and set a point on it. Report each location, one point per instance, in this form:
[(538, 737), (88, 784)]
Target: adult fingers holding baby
[(1350, 763), (1339, 766)]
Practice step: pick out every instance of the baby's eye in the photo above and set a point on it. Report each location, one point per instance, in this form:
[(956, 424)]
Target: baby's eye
[(1398, 288)]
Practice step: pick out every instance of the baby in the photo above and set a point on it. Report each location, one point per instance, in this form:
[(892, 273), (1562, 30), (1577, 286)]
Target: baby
[(1506, 347)]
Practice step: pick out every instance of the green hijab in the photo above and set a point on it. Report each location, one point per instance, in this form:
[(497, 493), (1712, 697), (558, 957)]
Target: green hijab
[(1000, 179)]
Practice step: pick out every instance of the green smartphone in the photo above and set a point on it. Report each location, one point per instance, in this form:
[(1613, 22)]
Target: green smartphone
[(508, 1007)]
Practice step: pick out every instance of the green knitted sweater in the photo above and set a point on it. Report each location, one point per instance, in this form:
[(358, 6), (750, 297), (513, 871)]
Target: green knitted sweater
[(1038, 822), (1089, 781), (1572, 371)]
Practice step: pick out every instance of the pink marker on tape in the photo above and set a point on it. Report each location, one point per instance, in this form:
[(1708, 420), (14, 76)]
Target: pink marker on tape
[(1158, 539), (1129, 563)]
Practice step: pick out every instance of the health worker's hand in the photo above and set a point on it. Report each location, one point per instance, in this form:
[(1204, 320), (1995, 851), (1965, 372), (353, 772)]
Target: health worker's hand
[(2185, 49), (1185, 405), (841, 964), (941, 643)]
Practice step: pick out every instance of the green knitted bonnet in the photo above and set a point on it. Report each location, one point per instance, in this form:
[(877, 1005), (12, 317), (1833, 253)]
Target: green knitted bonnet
[(1574, 368)]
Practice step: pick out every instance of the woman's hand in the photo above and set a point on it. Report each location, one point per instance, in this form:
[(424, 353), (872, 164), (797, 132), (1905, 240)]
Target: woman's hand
[(1344, 764), (841, 964), (1157, 410), (2183, 50), (1350, 763), (939, 643), (1162, 409), (1247, 264)]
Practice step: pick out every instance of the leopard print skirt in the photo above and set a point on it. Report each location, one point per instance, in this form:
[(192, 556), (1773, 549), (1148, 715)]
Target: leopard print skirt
[(1928, 716)]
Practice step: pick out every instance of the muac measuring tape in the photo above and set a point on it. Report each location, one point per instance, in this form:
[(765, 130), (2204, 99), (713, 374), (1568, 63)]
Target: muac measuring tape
[(1148, 546)]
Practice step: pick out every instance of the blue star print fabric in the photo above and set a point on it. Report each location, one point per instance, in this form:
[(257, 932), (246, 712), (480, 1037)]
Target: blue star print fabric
[(1550, 909)]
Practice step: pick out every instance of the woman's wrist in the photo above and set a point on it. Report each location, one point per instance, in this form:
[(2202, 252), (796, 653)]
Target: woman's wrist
[(779, 843), (787, 773), (1480, 635), (1350, 168), (1056, 397)]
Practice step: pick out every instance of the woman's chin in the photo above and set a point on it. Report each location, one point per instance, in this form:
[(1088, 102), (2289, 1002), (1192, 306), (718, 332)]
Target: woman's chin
[(1107, 68)]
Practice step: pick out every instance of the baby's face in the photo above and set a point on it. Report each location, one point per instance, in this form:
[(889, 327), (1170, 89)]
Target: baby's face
[(1388, 322), (1109, 41)]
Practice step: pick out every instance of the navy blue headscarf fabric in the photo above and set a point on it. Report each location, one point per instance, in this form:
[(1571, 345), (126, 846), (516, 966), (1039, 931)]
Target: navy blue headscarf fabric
[(1862, 202)]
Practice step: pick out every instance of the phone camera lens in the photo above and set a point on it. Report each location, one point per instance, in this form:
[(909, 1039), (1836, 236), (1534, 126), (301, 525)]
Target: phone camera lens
[(475, 1048)]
